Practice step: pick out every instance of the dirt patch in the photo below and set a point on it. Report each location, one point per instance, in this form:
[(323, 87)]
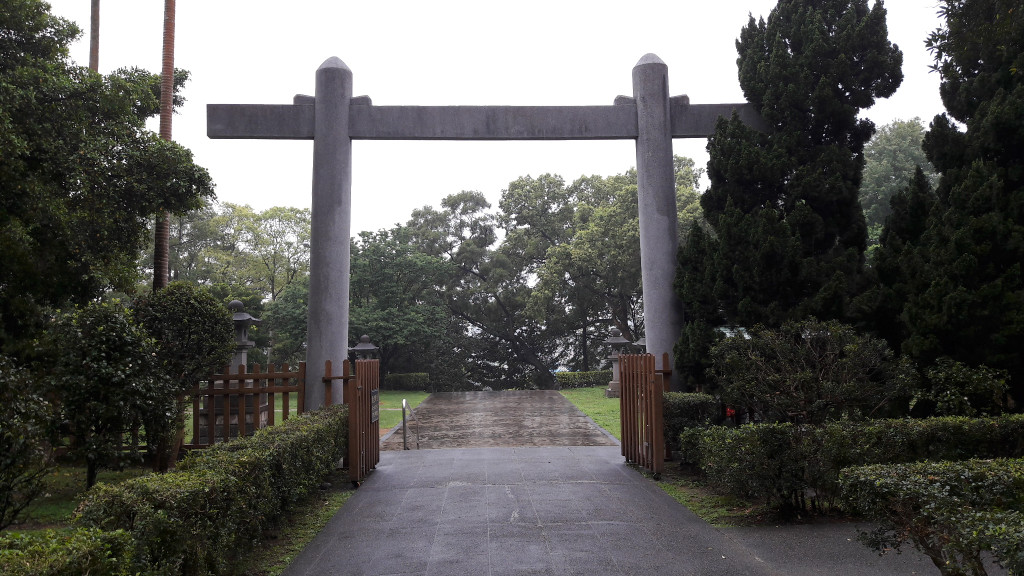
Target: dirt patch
[(510, 418)]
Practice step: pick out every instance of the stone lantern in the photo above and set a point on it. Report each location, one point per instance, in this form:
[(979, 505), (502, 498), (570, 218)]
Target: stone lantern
[(617, 342), (243, 320), (211, 415), (365, 349)]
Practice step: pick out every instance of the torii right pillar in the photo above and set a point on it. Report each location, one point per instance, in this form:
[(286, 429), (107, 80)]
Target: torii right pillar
[(656, 188)]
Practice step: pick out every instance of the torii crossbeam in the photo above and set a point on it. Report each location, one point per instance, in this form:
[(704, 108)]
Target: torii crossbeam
[(333, 118)]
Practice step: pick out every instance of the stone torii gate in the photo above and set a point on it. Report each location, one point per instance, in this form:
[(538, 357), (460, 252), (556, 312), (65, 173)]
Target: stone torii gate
[(333, 119)]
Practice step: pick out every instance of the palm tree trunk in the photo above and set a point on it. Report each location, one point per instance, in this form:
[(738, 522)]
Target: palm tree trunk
[(94, 37), (161, 252)]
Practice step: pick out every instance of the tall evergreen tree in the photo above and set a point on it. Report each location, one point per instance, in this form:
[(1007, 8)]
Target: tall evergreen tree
[(967, 301), (787, 234)]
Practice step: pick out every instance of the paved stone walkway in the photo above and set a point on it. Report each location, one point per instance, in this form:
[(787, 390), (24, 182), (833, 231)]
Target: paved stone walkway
[(513, 418), (501, 510)]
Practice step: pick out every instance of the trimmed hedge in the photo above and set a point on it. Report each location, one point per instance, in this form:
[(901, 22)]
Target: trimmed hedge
[(68, 552), (783, 463), (200, 518), (417, 381), (568, 380), (686, 410), (950, 511)]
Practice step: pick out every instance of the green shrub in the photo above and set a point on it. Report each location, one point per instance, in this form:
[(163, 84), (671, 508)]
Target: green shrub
[(70, 552), (24, 456), (950, 511), (195, 336), (568, 380), (685, 410), (762, 461), (782, 463), (952, 388), (808, 372), (201, 517), (419, 381)]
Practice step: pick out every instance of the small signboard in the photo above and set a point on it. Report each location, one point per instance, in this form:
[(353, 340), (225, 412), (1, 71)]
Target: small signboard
[(374, 405)]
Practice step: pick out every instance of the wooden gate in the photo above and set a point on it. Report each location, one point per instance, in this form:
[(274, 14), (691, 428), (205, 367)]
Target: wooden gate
[(362, 395), (643, 428)]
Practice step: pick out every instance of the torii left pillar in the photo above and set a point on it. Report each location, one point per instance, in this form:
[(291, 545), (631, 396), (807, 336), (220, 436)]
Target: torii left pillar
[(331, 222)]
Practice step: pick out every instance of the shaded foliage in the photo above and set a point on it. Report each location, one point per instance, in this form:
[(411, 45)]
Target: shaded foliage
[(786, 233), (80, 173)]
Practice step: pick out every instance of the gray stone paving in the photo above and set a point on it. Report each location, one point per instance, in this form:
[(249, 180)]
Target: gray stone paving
[(558, 510)]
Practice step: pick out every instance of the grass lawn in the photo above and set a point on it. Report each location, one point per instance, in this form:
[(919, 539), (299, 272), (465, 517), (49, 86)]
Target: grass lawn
[(391, 406), (603, 411), (65, 488)]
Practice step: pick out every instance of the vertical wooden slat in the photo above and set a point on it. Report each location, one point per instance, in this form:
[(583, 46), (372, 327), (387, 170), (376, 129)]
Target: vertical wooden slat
[(658, 423), (353, 423), (285, 396), (300, 402), (195, 415)]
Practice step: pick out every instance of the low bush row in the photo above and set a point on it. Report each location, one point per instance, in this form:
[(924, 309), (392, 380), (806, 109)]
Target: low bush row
[(950, 511), (70, 552), (200, 518), (412, 381), (794, 466), (568, 380), (687, 410)]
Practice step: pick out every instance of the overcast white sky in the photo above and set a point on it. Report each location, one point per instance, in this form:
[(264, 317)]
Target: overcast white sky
[(447, 52)]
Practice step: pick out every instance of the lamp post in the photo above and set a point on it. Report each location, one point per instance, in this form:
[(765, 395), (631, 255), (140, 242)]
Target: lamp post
[(617, 342), (365, 349), (243, 320)]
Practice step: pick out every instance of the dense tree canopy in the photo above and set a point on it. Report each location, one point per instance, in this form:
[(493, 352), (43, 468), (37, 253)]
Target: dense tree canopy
[(964, 295), (79, 172), (786, 233)]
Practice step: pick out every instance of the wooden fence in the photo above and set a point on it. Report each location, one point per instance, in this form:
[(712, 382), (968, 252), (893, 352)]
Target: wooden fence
[(362, 395), (643, 428), (230, 406), (235, 405)]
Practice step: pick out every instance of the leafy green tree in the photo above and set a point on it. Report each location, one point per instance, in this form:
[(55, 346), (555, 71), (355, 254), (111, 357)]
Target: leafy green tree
[(892, 156), (807, 372), (104, 375), (786, 232), (195, 337), (224, 243), (24, 454), (286, 320), (80, 172), (952, 388), (488, 289), (394, 299), (967, 299), (276, 245)]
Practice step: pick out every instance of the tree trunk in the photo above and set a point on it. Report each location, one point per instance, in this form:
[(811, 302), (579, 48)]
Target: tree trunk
[(94, 37), (585, 349), (91, 470), (161, 250)]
